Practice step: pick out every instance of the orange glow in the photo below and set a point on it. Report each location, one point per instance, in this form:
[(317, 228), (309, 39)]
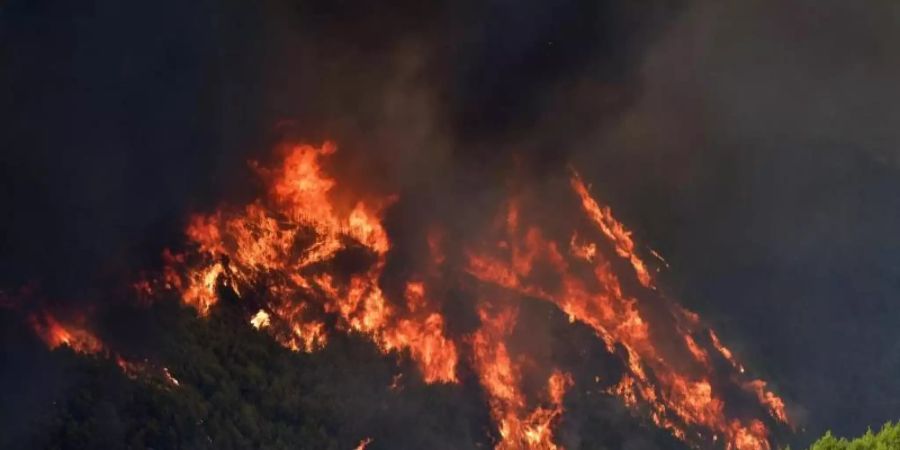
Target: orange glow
[(752, 437), (171, 379), (363, 444), (436, 246), (424, 337), (585, 251), (500, 376), (678, 396), (725, 352), (55, 334), (147, 371), (201, 290), (618, 235), (286, 242), (767, 398), (289, 249), (260, 320), (73, 333)]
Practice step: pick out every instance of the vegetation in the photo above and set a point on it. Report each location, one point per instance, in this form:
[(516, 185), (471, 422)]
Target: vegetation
[(886, 439), (238, 389)]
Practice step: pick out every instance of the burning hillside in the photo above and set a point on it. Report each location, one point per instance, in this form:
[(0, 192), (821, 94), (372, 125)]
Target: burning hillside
[(305, 267), (434, 225)]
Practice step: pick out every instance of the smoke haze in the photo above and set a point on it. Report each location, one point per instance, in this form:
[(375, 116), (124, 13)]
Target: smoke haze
[(754, 144)]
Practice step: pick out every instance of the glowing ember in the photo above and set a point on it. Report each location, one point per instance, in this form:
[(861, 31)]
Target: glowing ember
[(765, 397), (725, 352), (363, 444), (260, 319), (145, 370), (171, 379)]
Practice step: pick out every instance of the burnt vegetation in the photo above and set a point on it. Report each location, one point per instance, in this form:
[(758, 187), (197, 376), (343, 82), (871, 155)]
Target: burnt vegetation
[(238, 388)]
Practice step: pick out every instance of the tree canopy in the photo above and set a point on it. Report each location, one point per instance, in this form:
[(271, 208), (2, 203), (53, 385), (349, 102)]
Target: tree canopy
[(237, 388), (888, 438)]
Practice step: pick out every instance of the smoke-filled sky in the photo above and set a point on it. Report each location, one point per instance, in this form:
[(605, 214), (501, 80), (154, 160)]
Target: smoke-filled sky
[(754, 144)]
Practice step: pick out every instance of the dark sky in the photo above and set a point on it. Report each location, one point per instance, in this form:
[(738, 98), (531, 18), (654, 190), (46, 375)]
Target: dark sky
[(753, 143)]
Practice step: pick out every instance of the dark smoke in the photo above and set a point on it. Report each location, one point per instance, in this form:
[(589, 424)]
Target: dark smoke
[(120, 118), (762, 159), (753, 144)]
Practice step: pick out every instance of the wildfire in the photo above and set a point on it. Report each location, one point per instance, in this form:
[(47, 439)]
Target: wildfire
[(260, 319), (145, 370), (55, 334), (363, 444), (279, 255), (500, 375), (286, 244), (725, 352), (614, 231), (75, 334), (679, 396)]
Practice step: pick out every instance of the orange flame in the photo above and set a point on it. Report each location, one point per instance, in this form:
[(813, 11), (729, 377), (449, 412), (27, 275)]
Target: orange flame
[(74, 334), (285, 247), (725, 352), (679, 394), (363, 444), (286, 242), (55, 334), (500, 375), (614, 231)]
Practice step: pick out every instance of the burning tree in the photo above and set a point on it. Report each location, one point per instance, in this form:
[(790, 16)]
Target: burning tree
[(308, 268), (305, 267)]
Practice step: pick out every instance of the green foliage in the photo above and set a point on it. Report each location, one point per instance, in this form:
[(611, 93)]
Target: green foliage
[(886, 439), (238, 389)]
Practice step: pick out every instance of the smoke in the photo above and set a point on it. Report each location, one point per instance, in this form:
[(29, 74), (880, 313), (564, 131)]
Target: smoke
[(761, 158), (752, 143), (121, 119)]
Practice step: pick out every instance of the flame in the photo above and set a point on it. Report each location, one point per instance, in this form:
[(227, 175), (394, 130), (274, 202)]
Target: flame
[(500, 376), (260, 319), (285, 243), (55, 333), (285, 248), (774, 403), (614, 231), (201, 291), (725, 352), (363, 444), (146, 370), (583, 250), (679, 394), (74, 333)]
